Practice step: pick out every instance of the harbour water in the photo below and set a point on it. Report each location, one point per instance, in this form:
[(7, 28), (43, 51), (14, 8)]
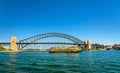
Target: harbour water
[(107, 61)]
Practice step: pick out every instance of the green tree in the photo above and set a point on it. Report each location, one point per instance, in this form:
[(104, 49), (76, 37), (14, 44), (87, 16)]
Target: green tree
[(2, 48)]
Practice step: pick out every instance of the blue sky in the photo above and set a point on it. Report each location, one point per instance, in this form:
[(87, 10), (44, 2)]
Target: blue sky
[(97, 20)]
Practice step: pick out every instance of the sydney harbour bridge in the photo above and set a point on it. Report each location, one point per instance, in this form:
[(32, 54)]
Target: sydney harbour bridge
[(39, 39)]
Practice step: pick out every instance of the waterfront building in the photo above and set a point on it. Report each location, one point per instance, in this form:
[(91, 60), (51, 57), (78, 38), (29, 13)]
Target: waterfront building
[(116, 46), (108, 47), (97, 46)]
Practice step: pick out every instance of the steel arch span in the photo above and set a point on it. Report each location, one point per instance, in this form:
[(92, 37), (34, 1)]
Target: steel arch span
[(33, 39)]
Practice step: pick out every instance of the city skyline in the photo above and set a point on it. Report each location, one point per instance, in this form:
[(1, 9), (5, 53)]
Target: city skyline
[(93, 20)]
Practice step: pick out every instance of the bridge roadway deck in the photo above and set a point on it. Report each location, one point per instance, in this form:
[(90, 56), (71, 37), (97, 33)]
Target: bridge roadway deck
[(7, 43)]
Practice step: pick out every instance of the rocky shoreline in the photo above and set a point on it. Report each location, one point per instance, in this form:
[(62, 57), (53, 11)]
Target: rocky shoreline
[(72, 49)]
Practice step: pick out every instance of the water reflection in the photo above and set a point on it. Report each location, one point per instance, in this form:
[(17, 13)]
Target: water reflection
[(90, 61), (12, 63), (63, 58), (65, 55)]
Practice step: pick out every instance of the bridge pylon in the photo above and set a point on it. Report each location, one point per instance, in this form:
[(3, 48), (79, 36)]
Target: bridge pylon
[(13, 44), (88, 44)]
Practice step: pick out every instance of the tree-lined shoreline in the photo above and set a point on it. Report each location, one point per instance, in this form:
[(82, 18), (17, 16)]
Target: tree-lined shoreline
[(2, 49)]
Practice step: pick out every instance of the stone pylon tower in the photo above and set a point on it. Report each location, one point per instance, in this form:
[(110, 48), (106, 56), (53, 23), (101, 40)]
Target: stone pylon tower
[(13, 44), (88, 43)]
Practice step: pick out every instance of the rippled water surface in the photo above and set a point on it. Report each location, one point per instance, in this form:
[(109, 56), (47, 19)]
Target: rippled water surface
[(44, 62)]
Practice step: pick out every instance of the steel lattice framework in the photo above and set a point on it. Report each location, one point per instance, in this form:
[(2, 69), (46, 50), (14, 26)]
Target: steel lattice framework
[(32, 40)]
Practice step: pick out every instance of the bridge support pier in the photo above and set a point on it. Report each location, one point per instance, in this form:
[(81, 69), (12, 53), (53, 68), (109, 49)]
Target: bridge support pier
[(88, 44), (13, 44)]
